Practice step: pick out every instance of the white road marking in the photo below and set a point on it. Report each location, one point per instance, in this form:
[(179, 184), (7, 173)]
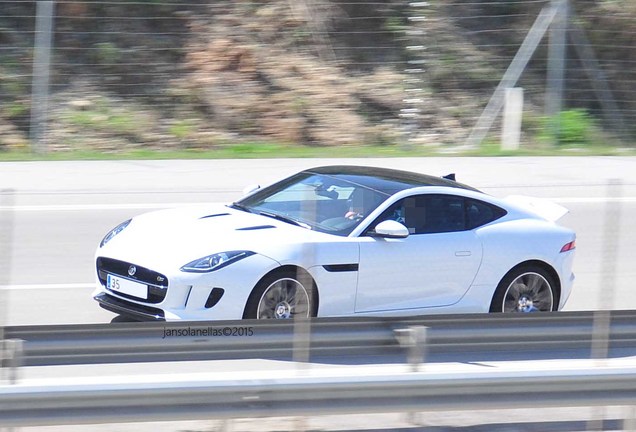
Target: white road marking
[(93, 207), (155, 206), (48, 286), (593, 200)]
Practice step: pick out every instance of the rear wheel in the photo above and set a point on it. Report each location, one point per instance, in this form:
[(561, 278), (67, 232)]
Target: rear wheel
[(525, 289), (283, 295)]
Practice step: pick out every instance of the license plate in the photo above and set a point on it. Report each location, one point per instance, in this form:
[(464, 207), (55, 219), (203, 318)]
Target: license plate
[(126, 286)]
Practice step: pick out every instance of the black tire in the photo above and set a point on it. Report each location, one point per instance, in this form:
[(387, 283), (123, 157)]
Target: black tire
[(526, 288), (283, 294)]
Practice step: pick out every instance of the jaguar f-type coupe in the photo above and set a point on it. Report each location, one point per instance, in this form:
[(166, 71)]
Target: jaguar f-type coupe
[(340, 241)]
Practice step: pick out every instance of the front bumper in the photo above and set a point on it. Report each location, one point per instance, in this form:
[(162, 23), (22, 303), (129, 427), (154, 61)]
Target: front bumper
[(174, 295), (136, 311)]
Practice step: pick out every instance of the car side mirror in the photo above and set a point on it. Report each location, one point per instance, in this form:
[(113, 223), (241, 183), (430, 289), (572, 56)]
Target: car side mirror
[(390, 229), (250, 189)]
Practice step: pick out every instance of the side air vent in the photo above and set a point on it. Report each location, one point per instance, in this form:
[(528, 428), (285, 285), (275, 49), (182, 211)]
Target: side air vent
[(214, 297)]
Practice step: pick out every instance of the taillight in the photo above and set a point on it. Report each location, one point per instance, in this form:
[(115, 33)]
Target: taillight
[(569, 246)]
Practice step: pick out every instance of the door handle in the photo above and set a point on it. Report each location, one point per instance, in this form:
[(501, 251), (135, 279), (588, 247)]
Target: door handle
[(463, 253)]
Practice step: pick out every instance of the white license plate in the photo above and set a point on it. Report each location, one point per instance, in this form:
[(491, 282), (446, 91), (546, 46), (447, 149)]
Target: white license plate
[(126, 286)]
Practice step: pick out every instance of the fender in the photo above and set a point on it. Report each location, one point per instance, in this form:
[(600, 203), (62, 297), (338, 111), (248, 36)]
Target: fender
[(541, 207)]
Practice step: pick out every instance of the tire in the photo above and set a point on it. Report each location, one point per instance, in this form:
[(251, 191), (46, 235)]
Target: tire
[(524, 289), (284, 294)]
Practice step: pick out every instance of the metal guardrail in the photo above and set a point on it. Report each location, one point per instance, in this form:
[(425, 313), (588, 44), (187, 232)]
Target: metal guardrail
[(315, 390), (136, 342), (310, 392)]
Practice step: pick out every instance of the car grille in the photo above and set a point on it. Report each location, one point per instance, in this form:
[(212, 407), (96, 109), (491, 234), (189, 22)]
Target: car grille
[(156, 282)]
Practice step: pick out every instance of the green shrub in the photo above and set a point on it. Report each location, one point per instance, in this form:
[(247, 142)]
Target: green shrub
[(106, 53), (182, 129), (570, 127)]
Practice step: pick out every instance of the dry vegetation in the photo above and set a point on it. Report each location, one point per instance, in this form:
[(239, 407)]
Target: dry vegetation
[(165, 76)]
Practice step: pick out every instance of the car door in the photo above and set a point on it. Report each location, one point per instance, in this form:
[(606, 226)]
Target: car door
[(434, 266)]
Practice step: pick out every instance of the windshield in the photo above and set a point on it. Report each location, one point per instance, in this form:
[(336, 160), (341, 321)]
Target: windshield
[(325, 203)]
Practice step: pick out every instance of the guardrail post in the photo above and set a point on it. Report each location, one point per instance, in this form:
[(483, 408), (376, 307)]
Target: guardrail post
[(225, 425), (301, 347), (629, 423), (12, 354), (414, 340)]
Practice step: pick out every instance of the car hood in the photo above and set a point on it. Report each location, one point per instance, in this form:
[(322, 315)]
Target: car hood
[(177, 236)]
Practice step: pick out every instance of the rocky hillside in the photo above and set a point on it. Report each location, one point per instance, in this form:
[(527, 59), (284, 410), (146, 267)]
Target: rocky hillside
[(201, 74)]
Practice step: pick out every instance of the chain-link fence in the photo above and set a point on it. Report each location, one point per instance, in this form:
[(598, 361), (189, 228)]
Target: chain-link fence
[(113, 75)]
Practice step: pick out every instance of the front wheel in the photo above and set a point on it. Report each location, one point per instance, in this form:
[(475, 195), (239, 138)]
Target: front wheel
[(526, 289), (282, 295)]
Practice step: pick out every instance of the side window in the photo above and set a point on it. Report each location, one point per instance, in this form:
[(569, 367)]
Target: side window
[(413, 213), (395, 212), (426, 214), (480, 213), (444, 213)]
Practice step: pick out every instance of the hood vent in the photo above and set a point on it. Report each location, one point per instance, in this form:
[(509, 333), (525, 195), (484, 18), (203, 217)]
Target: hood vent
[(254, 228), (214, 215)]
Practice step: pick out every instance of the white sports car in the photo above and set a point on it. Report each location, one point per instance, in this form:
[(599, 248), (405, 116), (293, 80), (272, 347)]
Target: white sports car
[(340, 241)]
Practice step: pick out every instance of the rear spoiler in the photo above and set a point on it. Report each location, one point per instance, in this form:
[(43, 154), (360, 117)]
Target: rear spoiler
[(543, 208)]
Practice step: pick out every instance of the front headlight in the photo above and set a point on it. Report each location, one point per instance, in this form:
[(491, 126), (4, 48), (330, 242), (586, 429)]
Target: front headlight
[(214, 262), (112, 233)]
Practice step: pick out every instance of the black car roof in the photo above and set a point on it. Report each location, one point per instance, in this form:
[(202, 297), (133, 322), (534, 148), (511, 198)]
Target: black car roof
[(384, 179)]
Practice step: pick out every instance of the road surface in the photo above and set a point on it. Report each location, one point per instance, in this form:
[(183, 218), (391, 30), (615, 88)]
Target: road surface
[(57, 212)]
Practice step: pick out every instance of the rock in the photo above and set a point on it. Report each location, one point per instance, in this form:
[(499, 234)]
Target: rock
[(81, 104)]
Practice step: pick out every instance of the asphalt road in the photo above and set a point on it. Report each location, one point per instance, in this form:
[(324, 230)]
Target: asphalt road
[(55, 214)]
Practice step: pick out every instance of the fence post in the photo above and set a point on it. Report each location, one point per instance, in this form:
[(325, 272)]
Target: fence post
[(556, 66), (410, 114), (513, 114), (41, 75), (598, 78), (511, 76)]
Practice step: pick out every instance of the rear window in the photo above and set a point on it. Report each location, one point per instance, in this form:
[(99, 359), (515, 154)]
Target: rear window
[(479, 213)]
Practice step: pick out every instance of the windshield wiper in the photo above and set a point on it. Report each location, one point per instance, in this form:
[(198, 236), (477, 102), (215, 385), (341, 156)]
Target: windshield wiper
[(284, 219), (239, 206)]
